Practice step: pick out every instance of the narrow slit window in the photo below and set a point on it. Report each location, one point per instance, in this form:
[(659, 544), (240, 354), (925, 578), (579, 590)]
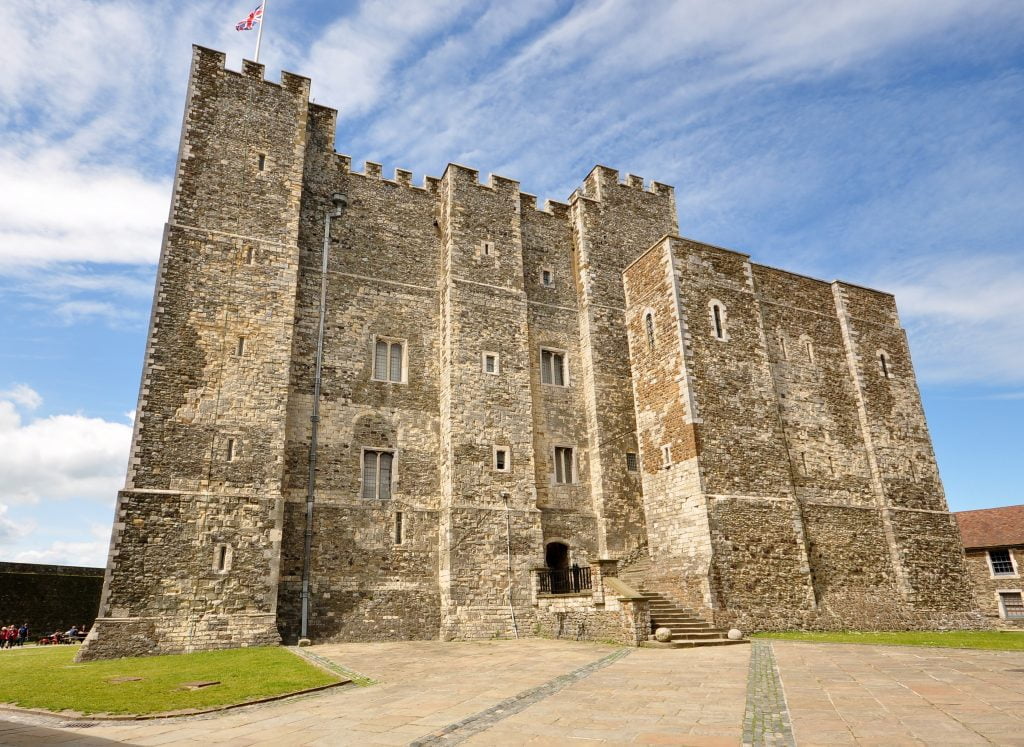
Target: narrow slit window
[(552, 367), (832, 467), (240, 347), (632, 463), (564, 467), (231, 450), (782, 348), (666, 456), (222, 557), (716, 315), (884, 362), (809, 347), (398, 527), (487, 248), (649, 328), (249, 255), (377, 474), (261, 162), (803, 461)]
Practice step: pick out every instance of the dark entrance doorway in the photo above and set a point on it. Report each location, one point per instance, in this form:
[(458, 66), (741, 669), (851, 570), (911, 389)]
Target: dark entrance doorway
[(556, 556)]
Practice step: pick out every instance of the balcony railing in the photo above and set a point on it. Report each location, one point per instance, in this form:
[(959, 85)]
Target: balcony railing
[(566, 581)]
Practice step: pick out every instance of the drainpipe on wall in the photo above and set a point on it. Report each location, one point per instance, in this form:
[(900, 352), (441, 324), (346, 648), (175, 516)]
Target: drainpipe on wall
[(340, 203), (508, 548)]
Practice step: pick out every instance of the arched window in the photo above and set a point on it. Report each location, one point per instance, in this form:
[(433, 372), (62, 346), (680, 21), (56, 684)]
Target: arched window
[(649, 326), (718, 319)]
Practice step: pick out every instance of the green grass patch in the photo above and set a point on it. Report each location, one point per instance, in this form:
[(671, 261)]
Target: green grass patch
[(49, 678), (984, 639)]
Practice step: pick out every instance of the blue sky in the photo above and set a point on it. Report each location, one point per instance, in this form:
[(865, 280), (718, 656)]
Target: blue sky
[(875, 141)]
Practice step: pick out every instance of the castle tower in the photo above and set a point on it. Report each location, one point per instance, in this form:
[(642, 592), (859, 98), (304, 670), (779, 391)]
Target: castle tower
[(196, 542)]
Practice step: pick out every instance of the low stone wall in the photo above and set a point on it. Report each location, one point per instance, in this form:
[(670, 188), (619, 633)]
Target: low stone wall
[(49, 597), (611, 612)]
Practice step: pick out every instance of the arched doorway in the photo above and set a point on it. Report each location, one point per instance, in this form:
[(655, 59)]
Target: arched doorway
[(556, 556)]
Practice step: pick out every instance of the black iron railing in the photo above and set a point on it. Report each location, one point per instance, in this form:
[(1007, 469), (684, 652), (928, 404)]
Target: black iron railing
[(566, 581)]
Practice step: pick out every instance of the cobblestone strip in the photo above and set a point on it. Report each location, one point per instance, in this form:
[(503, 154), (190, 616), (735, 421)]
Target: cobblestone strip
[(478, 722), (766, 721)]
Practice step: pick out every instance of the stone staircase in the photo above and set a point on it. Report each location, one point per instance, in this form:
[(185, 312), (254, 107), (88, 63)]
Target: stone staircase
[(689, 630)]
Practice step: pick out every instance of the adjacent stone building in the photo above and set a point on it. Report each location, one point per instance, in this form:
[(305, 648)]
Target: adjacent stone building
[(501, 388), (994, 543)]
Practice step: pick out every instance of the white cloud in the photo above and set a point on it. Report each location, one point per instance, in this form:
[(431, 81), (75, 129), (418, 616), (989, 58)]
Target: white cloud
[(61, 457), (10, 530), (60, 210), (24, 395), (89, 554)]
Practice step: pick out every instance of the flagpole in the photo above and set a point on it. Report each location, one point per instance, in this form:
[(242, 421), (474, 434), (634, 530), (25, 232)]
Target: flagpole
[(259, 34)]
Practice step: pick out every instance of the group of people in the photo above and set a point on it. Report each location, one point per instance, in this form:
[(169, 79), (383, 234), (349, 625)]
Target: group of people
[(11, 636)]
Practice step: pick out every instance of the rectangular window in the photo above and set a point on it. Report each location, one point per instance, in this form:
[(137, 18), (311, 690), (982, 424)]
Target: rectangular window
[(666, 456), (231, 450), (261, 161), (240, 348), (1001, 562), (1013, 605), (552, 367), (489, 363), (377, 474), (388, 361), (398, 527), (547, 278), (564, 465), (632, 464), (501, 459)]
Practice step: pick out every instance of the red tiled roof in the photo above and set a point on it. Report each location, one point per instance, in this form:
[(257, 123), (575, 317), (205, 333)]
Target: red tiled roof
[(992, 527)]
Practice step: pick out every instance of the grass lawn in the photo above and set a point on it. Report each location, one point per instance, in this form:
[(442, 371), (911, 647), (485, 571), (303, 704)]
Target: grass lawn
[(47, 677), (987, 639)]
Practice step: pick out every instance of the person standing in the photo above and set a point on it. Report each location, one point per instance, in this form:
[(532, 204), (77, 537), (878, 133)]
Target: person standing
[(22, 634)]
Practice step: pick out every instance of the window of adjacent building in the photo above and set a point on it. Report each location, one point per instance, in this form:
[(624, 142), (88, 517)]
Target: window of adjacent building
[(388, 360), (552, 367), (501, 461), (240, 347), (222, 558), (261, 161), (632, 463), (547, 278), (565, 467), (1001, 563), (230, 455), (489, 363), (718, 320), (378, 469), (1012, 604), (649, 329), (666, 456), (398, 527)]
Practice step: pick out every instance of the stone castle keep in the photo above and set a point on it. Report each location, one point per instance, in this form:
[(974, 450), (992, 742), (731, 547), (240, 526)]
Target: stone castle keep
[(503, 389)]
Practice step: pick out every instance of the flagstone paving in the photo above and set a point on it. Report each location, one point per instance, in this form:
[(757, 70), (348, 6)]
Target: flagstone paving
[(553, 692)]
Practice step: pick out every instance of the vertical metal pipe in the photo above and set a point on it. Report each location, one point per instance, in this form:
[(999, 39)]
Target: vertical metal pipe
[(340, 202)]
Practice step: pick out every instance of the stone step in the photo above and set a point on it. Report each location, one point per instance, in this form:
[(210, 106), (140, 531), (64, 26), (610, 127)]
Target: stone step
[(698, 636), (692, 644), (695, 625)]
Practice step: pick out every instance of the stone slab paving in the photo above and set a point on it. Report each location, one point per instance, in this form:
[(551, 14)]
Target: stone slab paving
[(895, 695), (554, 692)]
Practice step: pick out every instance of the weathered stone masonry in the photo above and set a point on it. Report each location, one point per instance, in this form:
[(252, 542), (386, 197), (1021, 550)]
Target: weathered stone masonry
[(801, 488)]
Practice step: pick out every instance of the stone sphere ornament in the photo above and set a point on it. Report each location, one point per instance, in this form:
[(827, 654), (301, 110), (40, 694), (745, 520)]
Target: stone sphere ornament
[(663, 634), (735, 634)]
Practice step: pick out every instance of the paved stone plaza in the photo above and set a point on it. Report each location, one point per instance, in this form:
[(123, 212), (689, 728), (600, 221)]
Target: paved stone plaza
[(552, 692)]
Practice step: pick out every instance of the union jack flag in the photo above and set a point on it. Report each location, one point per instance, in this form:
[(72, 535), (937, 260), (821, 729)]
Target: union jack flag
[(251, 20)]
